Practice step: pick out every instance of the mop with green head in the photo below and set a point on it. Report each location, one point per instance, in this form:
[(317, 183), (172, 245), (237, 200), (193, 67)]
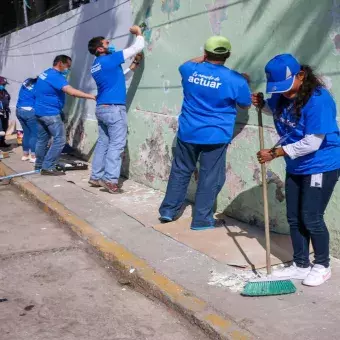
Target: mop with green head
[(268, 285)]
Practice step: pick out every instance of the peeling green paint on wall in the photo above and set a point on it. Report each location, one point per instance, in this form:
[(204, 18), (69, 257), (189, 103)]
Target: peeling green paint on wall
[(258, 29)]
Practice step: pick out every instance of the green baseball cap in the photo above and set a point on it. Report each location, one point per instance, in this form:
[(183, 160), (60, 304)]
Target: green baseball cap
[(218, 45)]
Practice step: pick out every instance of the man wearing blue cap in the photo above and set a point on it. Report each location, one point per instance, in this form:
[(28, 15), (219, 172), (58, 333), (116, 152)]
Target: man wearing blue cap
[(206, 125), (304, 115)]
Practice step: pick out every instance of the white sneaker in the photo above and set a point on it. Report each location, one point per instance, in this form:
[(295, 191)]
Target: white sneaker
[(292, 272), (32, 160), (25, 158), (317, 276)]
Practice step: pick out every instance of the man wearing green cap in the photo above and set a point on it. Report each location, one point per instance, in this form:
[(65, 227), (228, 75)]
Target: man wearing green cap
[(206, 125)]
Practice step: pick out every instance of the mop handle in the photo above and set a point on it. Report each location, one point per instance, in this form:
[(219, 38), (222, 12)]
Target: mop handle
[(264, 191), (20, 174)]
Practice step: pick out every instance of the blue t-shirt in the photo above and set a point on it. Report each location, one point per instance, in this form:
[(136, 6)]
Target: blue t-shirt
[(26, 96), (109, 76), (318, 116), (49, 97), (211, 93)]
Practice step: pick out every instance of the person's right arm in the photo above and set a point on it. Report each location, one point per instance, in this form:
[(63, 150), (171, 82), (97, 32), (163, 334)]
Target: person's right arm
[(60, 83), (71, 91), (243, 99), (137, 46)]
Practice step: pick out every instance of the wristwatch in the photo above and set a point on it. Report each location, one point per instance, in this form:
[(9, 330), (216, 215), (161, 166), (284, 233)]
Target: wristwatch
[(273, 152)]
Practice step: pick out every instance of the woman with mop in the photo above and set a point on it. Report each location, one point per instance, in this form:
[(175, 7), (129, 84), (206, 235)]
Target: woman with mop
[(304, 115)]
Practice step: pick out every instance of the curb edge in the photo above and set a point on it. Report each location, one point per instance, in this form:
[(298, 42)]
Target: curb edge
[(137, 271)]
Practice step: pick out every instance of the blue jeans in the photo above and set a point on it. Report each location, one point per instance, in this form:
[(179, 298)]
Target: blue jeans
[(112, 127), (211, 180), (49, 126), (306, 206), (29, 125)]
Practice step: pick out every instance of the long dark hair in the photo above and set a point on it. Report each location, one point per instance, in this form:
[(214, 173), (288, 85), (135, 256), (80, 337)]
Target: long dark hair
[(311, 83)]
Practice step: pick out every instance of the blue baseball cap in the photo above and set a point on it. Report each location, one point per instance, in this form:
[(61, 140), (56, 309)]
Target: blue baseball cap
[(281, 72)]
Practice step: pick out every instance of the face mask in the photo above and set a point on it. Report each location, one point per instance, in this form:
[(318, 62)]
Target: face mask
[(111, 49), (2, 87), (66, 72)]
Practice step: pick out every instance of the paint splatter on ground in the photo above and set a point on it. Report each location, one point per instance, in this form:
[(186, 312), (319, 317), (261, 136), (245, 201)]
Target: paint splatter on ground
[(237, 279)]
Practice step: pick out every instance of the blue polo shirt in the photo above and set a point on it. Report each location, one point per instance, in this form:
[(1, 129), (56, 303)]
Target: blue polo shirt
[(50, 98), (26, 96), (318, 116), (108, 74), (211, 93)]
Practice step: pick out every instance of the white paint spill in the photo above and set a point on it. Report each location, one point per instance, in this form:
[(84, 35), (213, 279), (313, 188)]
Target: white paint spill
[(132, 270), (236, 280)]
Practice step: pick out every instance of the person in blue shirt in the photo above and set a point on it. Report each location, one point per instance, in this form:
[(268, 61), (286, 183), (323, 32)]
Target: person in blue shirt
[(50, 90), (111, 110), (304, 115), (206, 126), (26, 116), (5, 111)]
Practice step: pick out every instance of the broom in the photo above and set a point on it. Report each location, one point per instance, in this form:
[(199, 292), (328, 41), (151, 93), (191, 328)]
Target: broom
[(268, 285)]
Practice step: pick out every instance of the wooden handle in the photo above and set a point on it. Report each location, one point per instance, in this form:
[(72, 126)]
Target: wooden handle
[(265, 195)]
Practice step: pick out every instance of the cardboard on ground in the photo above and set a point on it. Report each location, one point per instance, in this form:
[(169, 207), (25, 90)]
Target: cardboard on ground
[(236, 244)]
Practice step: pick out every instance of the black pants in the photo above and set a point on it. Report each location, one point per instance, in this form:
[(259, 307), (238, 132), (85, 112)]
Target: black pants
[(306, 206), (3, 126)]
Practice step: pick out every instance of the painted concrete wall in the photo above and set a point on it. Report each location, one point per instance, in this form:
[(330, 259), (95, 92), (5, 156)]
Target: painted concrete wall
[(28, 52), (177, 29), (258, 29)]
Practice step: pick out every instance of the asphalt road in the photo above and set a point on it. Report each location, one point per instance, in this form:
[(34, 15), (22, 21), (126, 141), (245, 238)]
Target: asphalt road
[(53, 287)]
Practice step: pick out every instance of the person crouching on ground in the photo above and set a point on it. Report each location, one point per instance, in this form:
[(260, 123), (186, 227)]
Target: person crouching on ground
[(111, 109), (206, 126), (27, 118), (50, 92), (304, 115)]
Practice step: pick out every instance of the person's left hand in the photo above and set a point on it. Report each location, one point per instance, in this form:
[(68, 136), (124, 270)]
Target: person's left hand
[(264, 156)]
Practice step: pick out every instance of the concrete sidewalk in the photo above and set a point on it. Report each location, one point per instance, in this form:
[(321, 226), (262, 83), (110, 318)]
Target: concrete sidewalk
[(126, 220)]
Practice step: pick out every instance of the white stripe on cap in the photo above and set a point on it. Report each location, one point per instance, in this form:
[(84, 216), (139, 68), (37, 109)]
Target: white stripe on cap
[(288, 73), (274, 91)]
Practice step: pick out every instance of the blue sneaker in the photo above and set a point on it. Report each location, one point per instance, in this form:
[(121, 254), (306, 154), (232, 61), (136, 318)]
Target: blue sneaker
[(165, 219), (218, 224), (203, 228)]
